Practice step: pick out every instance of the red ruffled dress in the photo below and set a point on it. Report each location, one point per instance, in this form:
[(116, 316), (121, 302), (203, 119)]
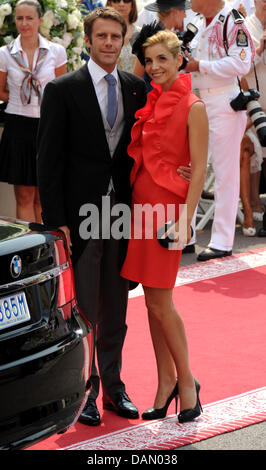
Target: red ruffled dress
[(159, 145)]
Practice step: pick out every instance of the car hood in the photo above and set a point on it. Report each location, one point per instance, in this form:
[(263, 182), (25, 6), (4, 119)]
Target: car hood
[(12, 228), (16, 235)]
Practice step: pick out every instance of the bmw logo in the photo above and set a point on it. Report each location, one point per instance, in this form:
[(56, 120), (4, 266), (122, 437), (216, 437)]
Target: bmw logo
[(16, 266)]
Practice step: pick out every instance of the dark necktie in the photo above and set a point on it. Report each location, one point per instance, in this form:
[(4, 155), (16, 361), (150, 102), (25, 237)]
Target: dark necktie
[(112, 105)]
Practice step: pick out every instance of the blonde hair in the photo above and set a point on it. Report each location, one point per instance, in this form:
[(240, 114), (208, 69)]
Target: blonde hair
[(168, 39)]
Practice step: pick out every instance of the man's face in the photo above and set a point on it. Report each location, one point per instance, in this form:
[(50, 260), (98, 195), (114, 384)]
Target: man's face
[(106, 43), (260, 9), (206, 6), (198, 5)]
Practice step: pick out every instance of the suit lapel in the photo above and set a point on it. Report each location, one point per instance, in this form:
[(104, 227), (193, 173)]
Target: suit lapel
[(129, 105), (85, 97), (129, 100)]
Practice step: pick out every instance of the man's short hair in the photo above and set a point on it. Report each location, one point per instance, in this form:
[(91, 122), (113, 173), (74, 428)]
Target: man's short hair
[(107, 13)]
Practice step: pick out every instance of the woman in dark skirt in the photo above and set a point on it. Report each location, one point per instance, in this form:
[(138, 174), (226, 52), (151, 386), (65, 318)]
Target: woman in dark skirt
[(26, 65)]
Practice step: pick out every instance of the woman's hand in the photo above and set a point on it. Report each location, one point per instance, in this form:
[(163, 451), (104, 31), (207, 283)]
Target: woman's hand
[(180, 232)]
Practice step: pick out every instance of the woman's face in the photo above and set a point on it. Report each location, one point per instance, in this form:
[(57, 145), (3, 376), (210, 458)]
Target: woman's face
[(124, 8), (27, 20), (161, 65), (178, 19)]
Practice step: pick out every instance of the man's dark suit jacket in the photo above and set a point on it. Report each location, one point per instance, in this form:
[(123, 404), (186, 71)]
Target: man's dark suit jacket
[(74, 164)]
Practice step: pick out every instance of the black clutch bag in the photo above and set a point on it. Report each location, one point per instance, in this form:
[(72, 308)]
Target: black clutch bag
[(167, 241)]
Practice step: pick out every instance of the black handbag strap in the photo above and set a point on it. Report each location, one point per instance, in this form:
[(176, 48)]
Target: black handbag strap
[(226, 48)]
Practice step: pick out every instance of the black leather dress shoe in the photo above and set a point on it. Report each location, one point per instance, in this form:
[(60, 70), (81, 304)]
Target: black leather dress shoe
[(262, 232), (211, 253), (90, 414), (189, 249), (121, 404)]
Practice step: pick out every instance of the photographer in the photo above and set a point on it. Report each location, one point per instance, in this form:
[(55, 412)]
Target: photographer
[(214, 78), (253, 155)]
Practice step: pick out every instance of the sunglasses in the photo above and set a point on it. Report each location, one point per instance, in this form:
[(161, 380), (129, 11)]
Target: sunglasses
[(119, 1)]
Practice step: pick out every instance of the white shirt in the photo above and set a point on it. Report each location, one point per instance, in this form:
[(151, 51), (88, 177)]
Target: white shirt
[(56, 57), (216, 71)]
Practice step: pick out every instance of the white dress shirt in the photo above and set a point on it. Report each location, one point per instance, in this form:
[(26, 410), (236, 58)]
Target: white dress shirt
[(101, 85), (56, 57)]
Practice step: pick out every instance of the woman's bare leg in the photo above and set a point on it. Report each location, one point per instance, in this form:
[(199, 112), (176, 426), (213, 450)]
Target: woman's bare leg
[(25, 202), (247, 150), (37, 207), (170, 326), (165, 364), (254, 192)]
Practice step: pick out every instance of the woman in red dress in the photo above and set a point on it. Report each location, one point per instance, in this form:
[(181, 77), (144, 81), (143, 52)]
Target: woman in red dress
[(171, 130)]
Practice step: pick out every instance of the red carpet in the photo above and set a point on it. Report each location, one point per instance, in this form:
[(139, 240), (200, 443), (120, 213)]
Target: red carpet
[(224, 316)]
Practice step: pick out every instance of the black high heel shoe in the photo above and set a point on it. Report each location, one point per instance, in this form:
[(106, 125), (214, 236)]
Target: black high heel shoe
[(156, 413), (191, 413)]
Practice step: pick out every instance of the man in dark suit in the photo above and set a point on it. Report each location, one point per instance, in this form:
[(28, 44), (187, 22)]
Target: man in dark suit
[(82, 159)]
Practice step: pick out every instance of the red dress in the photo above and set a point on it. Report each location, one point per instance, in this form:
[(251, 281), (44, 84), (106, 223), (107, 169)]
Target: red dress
[(159, 145)]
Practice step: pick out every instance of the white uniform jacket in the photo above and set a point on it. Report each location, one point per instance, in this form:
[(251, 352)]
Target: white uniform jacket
[(216, 68)]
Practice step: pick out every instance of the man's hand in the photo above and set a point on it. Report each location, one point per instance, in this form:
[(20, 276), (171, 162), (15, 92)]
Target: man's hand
[(192, 65), (66, 231), (185, 172), (242, 10)]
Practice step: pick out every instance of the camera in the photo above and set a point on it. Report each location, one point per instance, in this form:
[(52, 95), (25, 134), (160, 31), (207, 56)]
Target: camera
[(240, 102), (186, 37), (248, 100)]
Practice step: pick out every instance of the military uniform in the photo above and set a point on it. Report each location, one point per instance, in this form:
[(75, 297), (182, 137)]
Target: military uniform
[(216, 83)]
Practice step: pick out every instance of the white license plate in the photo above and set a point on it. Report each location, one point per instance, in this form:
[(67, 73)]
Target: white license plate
[(13, 310)]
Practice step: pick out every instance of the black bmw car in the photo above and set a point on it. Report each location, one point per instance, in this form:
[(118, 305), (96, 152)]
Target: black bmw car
[(45, 341)]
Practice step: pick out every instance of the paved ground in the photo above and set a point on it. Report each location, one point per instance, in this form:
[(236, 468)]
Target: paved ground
[(252, 437), (249, 438)]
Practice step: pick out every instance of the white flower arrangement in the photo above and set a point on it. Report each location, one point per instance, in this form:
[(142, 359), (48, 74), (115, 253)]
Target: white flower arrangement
[(5, 9), (61, 23)]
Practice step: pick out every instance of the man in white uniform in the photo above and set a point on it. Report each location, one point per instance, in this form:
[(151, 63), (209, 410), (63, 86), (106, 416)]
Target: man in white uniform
[(214, 79)]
